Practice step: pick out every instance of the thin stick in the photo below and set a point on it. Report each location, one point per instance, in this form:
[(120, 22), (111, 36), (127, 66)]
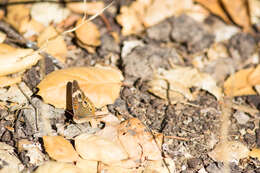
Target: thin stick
[(177, 137)]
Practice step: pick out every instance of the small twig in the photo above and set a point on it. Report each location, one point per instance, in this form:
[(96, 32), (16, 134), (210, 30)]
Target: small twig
[(103, 17), (177, 137), (34, 107)]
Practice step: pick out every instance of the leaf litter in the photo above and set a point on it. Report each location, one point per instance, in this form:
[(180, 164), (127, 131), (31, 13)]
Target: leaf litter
[(139, 146)]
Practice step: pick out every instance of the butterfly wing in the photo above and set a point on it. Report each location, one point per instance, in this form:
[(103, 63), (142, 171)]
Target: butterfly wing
[(82, 106)]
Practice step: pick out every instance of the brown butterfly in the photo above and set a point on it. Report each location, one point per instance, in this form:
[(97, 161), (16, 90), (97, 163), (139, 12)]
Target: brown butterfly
[(83, 108)]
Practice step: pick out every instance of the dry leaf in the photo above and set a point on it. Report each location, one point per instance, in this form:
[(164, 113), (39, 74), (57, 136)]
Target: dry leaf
[(32, 150), (100, 84), (159, 10), (159, 166), (46, 13), (237, 10), (88, 33), (8, 156), (229, 151), (138, 140), (59, 51), (87, 166), (98, 148), (31, 28), (13, 60), (145, 13), (7, 81), (90, 8), (215, 7), (254, 9), (59, 149), (17, 14), (254, 77), (255, 153), (238, 84), (180, 80), (129, 20), (58, 167)]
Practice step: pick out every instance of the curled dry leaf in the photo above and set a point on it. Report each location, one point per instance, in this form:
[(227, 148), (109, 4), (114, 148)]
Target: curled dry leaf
[(242, 82), (59, 149), (100, 84), (180, 80), (138, 140), (215, 7), (88, 33), (90, 8), (54, 167), (98, 148), (55, 47), (237, 10), (229, 151), (13, 60), (127, 145)]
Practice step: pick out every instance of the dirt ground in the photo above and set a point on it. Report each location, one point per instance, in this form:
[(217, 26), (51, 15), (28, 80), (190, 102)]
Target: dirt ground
[(191, 129)]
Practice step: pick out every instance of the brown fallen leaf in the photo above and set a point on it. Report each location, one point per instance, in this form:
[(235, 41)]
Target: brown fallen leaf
[(237, 10), (238, 84), (229, 151), (254, 9), (214, 7), (129, 20), (91, 8), (31, 28), (141, 14), (100, 84), (254, 77), (14, 60), (138, 140), (255, 153), (54, 167), (59, 51), (7, 81), (58, 148), (180, 80), (17, 14), (98, 148), (88, 33)]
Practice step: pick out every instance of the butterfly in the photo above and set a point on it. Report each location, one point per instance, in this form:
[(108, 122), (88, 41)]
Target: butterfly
[(83, 108)]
